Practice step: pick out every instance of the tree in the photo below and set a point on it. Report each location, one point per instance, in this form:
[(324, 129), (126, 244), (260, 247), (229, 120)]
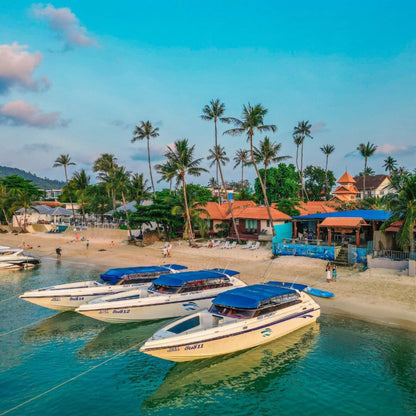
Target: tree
[(65, 161), (327, 150), (218, 156), (97, 200), (300, 132), (366, 151), (253, 121), (105, 165), (268, 153), (79, 184), (390, 164), (122, 181), (5, 203), (146, 131), (318, 182), (167, 173), (181, 161), (403, 207), (242, 157), (369, 171), (214, 111), (282, 183), (139, 188)]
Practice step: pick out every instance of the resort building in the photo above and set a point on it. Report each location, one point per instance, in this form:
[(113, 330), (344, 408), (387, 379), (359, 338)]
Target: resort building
[(375, 186), (347, 190)]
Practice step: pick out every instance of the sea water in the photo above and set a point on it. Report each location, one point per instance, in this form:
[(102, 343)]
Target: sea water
[(67, 364)]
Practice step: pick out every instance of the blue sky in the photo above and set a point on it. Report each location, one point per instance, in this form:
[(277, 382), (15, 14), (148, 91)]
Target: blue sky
[(76, 76)]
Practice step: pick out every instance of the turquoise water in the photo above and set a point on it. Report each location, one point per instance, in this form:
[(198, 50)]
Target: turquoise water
[(337, 367)]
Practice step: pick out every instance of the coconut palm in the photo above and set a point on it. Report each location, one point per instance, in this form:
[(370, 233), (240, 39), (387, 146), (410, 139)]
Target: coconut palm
[(146, 131), (302, 130), (327, 150), (403, 207), (218, 157), (105, 165), (139, 189), (267, 153), (79, 183), (242, 157), (181, 162), (65, 161), (366, 151), (390, 164), (253, 121), (214, 111), (5, 203), (122, 179), (167, 173)]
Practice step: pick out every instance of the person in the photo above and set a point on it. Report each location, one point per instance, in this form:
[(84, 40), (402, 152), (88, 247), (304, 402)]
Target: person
[(140, 236), (328, 272), (58, 252), (76, 238), (168, 249), (165, 250), (211, 244), (334, 272), (112, 244), (88, 244)]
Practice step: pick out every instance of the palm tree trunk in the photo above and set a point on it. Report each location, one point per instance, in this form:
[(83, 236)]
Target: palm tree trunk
[(242, 175), (326, 176), (216, 167), (113, 197), (229, 202), (83, 213), (301, 170), (127, 216), (70, 197), (266, 201), (265, 177), (7, 219), (365, 174), (150, 166), (188, 215)]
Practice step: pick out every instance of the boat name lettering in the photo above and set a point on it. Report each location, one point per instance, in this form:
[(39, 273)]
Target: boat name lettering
[(103, 311), (173, 349), (194, 347), (55, 299), (121, 311), (76, 298)]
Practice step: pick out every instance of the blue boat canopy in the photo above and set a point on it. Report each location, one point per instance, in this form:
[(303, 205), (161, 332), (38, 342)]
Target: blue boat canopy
[(297, 286), (114, 275), (251, 297), (179, 279)]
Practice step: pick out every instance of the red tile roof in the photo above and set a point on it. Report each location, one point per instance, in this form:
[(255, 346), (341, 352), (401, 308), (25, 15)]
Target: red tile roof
[(259, 213), (394, 227), (346, 178), (342, 222), (315, 207)]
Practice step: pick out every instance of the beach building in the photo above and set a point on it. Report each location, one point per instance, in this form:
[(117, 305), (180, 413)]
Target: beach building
[(346, 190), (375, 186)]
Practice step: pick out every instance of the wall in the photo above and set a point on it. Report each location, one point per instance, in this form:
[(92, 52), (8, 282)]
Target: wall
[(385, 263), (305, 250)]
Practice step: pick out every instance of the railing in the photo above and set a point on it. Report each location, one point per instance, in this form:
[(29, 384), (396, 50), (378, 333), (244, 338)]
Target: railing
[(394, 255)]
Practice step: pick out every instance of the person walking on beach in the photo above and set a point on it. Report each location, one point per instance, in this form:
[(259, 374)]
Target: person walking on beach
[(168, 249), (58, 252), (334, 272), (328, 272), (88, 244)]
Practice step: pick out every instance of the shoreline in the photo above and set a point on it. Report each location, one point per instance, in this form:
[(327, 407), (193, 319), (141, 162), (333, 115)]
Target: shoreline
[(379, 296)]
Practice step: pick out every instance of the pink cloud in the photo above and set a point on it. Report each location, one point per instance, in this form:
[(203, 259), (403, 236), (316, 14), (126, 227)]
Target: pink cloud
[(17, 67), (20, 112), (65, 24)]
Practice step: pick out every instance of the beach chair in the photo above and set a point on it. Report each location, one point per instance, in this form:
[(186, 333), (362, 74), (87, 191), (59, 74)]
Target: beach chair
[(255, 246), (248, 245), (217, 243), (232, 245), (225, 245)]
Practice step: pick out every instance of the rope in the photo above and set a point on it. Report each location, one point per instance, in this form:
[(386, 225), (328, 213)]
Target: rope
[(67, 381), (12, 297), (17, 329)]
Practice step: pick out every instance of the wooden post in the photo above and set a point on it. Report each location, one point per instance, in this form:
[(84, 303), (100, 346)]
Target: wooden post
[(329, 236), (357, 237)]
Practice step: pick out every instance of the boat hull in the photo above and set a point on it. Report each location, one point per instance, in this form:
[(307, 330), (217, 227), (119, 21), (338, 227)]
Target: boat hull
[(146, 311), (247, 336)]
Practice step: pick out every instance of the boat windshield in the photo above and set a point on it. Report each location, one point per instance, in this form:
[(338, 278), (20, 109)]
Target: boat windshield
[(163, 289), (232, 312), (205, 284)]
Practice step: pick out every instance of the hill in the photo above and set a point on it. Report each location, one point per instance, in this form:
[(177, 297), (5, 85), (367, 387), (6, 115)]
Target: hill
[(42, 183)]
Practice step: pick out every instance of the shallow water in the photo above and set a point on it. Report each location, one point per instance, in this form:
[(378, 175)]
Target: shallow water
[(336, 367)]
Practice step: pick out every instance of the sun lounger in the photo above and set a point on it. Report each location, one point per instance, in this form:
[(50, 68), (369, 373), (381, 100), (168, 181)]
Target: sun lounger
[(232, 245), (225, 245), (248, 245), (255, 246)]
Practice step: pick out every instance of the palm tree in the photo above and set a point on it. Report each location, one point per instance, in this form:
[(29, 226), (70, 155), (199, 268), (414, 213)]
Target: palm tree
[(65, 161), (5, 203), (390, 164), (139, 188), (366, 151), (403, 207), (302, 130), (214, 111), (106, 164), (181, 161), (267, 153), (242, 158), (327, 150), (252, 121), (79, 183), (218, 157), (123, 182), (146, 131)]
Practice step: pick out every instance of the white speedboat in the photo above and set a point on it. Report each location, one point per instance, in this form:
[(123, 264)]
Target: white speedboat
[(167, 297), (69, 296), (238, 319), (16, 258)]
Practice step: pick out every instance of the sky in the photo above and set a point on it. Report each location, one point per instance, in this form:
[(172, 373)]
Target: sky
[(77, 76)]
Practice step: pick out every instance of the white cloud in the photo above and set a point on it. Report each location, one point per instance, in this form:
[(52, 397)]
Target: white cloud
[(395, 149), (318, 126), (20, 112), (17, 67), (65, 24)]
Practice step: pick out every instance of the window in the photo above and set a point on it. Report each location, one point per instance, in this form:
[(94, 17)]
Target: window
[(268, 223), (250, 224)]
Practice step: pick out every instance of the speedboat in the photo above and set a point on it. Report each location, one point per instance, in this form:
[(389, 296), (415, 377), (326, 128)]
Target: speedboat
[(16, 258), (238, 319), (167, 297), (67, 297)]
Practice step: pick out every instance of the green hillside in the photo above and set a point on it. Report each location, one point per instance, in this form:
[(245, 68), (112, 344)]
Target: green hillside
[(42, 183)]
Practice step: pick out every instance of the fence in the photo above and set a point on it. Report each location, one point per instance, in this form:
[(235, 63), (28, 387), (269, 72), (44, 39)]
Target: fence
[(394, 255)]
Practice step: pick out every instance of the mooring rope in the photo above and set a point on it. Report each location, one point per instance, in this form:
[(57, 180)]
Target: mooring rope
[(67, 381), (12, 297), (22, 327)]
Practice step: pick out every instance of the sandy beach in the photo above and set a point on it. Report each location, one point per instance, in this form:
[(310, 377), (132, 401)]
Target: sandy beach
[(377, 295)]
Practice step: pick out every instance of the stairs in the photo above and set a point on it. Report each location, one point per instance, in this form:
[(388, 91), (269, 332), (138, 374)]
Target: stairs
[(342, 258)]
